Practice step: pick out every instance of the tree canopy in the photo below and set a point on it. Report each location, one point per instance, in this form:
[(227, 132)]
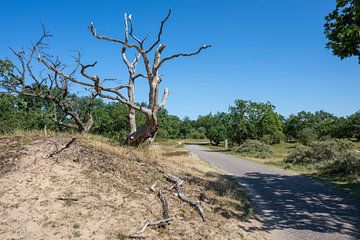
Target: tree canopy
[(342, 29)]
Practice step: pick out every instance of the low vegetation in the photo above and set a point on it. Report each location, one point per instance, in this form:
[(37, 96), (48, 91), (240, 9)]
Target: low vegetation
[(253, 148), (338, 157)]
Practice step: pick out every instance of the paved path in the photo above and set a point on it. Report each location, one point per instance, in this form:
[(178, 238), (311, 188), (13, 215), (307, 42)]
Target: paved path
[(291, 206)]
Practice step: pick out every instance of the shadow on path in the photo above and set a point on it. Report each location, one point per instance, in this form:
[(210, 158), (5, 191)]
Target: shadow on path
[(297, 202), (295, 206)]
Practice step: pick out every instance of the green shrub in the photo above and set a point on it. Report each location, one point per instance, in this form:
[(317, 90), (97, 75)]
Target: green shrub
[(332, 156), (274, 138), (299, 155), (254, 148), (347, 163), (195, 134), (318, 152), (329, 150), (307, 136)]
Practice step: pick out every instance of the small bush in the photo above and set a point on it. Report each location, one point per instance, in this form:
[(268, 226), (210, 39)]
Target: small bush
[(346, 163), (274, 138), (299, 155), (307, 136), (254, 148), (197, 135)]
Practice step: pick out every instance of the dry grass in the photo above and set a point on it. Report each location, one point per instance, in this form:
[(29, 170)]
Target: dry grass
[(112, 184)]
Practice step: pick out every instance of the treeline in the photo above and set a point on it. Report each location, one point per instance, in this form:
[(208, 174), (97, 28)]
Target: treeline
[(252, 120), (244, 120)]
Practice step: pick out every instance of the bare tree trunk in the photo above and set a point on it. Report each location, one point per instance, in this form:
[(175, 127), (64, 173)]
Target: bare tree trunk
[(145, 134), (88, 124), (132, 120), (132, 113), (45, 130)]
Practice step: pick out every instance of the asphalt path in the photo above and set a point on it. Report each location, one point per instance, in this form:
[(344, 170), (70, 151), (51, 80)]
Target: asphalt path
[(290, 206)]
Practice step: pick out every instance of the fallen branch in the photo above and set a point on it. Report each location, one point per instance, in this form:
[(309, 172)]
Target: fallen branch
[(63, 148), (140, 233), (68, 199), (163, 201), (165, 205), (163, 222), (174, 179), (195, 204)]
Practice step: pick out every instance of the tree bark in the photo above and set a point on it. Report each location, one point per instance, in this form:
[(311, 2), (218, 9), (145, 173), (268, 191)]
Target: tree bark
[(143, 135)]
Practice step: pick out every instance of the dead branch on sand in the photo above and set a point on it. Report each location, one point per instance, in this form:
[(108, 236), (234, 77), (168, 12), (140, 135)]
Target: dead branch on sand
[(63, 148), (195, 204), (163, 222)]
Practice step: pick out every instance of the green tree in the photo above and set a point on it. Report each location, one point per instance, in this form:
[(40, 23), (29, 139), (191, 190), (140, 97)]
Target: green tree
[(307, 136), (253, 120), (169, 125), (215, 127), (186, 127), (342, 128), (342, 28), (354, 122), (294, 124), (324, 123)]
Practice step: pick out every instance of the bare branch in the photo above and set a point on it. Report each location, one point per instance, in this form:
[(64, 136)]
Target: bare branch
[(164, 98), (94, 33), (140, 233), (184, 54), (140, 42), (160, 31)]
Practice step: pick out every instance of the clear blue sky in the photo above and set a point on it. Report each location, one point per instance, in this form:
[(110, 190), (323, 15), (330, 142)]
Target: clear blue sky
[(262, 50)]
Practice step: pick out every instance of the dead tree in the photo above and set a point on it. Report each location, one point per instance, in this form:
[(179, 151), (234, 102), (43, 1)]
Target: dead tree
[(147, 132), (50, 87)]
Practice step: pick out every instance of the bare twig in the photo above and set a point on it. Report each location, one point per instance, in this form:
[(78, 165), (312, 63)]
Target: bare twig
[(140, 233), (152, 188), (68, 199), (63, 148), (160, 32), (183, 55), (163, 200)]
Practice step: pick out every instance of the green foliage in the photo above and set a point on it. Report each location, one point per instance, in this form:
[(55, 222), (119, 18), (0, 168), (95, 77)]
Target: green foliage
[(7, 71), (342, 28), (216, 134), (214, 127), (324, 123), (329, 150), (17, 113), (186, 127), (111, 120), (354, 125), (299, 155), (347, 163), (169, 125), (307, 136), (332, 156), (342, 128), (307, 127), (295, 123), (253, 148), (252, 120)]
